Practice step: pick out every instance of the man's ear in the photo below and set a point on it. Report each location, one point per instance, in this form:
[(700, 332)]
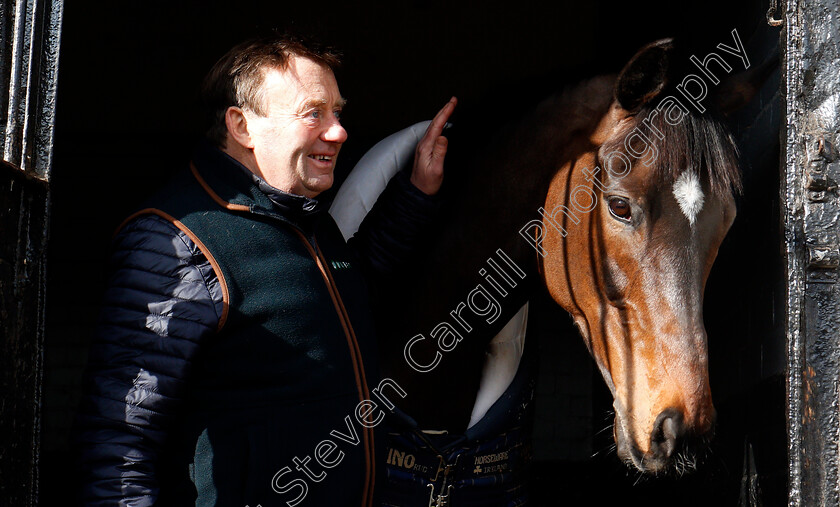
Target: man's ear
[(237, 127)]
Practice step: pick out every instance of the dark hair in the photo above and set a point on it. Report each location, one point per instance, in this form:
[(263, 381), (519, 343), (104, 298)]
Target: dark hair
[(699, 142), (237, 78)]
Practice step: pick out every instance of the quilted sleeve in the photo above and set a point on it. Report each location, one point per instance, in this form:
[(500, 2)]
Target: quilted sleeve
[(396, 226), (162, 300)]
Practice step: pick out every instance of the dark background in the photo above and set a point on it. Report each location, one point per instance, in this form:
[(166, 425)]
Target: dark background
[(128, 117)]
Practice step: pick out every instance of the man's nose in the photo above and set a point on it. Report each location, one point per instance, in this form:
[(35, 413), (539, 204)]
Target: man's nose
[(335, 133)]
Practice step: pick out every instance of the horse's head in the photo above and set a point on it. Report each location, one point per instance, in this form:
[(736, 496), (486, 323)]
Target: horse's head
[(632, 229)]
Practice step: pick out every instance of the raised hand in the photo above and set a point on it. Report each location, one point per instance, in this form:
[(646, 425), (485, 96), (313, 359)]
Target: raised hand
[(427, 173)]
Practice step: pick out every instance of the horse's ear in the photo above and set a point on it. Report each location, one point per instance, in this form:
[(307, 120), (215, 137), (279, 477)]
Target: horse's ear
[(738, 90), (645, 75)]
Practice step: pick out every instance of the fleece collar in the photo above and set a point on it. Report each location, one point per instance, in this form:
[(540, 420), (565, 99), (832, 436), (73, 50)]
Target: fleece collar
[(239, 188)]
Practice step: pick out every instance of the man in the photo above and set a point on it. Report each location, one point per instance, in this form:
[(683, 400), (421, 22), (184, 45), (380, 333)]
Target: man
[(235, 346)]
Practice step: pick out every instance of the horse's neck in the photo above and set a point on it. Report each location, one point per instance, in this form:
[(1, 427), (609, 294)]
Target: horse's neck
[(505, 191), (495, 195)]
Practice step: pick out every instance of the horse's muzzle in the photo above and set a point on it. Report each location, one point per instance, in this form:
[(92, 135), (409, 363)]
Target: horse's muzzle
[(674, 447)]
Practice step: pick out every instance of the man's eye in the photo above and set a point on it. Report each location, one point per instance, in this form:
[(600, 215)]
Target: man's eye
[(337, 114), (315, 114)]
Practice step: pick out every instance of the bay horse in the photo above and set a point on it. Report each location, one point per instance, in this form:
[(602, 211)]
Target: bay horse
[(621, 228)]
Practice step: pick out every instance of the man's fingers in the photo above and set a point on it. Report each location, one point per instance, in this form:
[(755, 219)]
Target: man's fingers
[(439, 151), (427, 173), (443, 115), (439, 121)]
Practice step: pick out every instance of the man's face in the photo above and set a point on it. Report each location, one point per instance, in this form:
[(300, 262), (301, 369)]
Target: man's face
[(297, 142)]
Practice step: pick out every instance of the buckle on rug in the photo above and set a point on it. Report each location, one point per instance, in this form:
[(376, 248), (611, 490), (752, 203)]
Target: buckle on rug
[(442, 465), (441, 500)]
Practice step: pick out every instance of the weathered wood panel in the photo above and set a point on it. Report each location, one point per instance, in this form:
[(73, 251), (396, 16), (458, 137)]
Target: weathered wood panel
[(811, 173), (23, 225), (29, 43)]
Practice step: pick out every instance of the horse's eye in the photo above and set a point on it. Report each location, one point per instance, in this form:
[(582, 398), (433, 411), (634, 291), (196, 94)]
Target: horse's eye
[(620, 208)]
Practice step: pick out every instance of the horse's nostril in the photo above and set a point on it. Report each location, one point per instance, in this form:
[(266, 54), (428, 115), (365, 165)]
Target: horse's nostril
[(667, 434), (670, 432)]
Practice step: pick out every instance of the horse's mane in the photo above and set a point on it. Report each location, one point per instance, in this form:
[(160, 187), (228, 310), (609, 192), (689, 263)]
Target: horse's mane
[(700, 143)]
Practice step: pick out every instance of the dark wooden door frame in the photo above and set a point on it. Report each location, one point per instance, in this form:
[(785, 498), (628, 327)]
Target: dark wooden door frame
[(811, 208), (29, 46)]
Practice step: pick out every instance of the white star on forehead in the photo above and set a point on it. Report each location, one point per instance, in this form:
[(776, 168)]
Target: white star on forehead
[(689, 195)]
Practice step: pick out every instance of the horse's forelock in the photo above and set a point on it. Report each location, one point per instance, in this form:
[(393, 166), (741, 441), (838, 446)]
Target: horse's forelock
[(700, 143)]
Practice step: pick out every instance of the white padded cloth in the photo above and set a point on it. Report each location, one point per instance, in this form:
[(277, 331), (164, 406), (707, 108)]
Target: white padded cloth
[(501, 362), (371, 175)]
